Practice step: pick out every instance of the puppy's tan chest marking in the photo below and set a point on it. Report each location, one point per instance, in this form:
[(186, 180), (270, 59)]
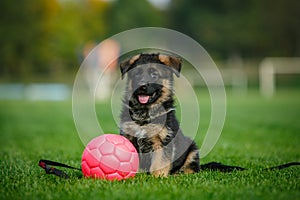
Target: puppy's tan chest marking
[(155, 132)]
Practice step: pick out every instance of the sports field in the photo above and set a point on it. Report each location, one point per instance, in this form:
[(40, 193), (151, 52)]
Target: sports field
[(258, 133)]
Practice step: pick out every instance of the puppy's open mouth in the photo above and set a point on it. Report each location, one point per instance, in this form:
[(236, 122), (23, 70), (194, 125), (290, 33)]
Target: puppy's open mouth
[(144, 99), (147, 94)]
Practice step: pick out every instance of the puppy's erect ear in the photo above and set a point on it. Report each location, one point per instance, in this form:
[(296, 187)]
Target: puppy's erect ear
[(171, 61), (125, 65)]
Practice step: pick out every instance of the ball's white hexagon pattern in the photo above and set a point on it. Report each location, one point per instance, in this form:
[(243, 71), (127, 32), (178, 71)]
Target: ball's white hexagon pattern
[(110, 157)]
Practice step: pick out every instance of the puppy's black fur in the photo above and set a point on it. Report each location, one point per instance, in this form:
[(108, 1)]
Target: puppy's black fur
[(148, 116)]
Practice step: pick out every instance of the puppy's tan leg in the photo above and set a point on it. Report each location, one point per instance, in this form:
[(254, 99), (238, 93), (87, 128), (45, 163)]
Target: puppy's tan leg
[(191, 163), (160, 166), (160, 163)]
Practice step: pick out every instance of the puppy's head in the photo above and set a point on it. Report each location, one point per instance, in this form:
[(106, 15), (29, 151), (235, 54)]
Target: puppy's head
[(150, 77)]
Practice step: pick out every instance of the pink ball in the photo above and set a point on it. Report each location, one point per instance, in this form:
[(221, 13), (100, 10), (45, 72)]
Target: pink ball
[(111, 157)]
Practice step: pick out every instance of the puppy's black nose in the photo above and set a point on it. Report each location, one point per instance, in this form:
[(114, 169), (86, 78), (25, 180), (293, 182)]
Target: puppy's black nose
[(142, 82), (143, 87)]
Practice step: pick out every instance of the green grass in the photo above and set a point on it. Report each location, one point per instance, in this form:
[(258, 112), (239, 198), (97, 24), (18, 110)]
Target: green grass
[(258, 133)]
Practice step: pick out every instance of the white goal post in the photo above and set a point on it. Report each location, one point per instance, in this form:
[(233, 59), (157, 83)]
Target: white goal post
[(269, 67)]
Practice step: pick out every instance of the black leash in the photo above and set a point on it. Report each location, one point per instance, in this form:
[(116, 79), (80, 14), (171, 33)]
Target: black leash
[(283, 166), (216, 166), (48, 165)]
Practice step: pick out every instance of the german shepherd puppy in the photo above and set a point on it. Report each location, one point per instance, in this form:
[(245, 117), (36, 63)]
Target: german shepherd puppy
[(148, 116)]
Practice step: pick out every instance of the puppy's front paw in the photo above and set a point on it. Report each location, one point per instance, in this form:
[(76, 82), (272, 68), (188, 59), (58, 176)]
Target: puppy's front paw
[(160, 173)]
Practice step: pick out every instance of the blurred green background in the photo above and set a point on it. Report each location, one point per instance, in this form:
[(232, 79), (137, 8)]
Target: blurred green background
[(42, 45), (43, 40)]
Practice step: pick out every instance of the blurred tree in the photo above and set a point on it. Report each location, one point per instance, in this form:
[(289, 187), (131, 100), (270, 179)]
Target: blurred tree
[(251, 28), (128, 14), (281, 27), (76, 23), (47, 37), (44, 37), (24, 33)]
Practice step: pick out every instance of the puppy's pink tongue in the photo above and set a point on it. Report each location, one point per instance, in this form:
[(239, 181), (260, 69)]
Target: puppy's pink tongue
[(143, 99)]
